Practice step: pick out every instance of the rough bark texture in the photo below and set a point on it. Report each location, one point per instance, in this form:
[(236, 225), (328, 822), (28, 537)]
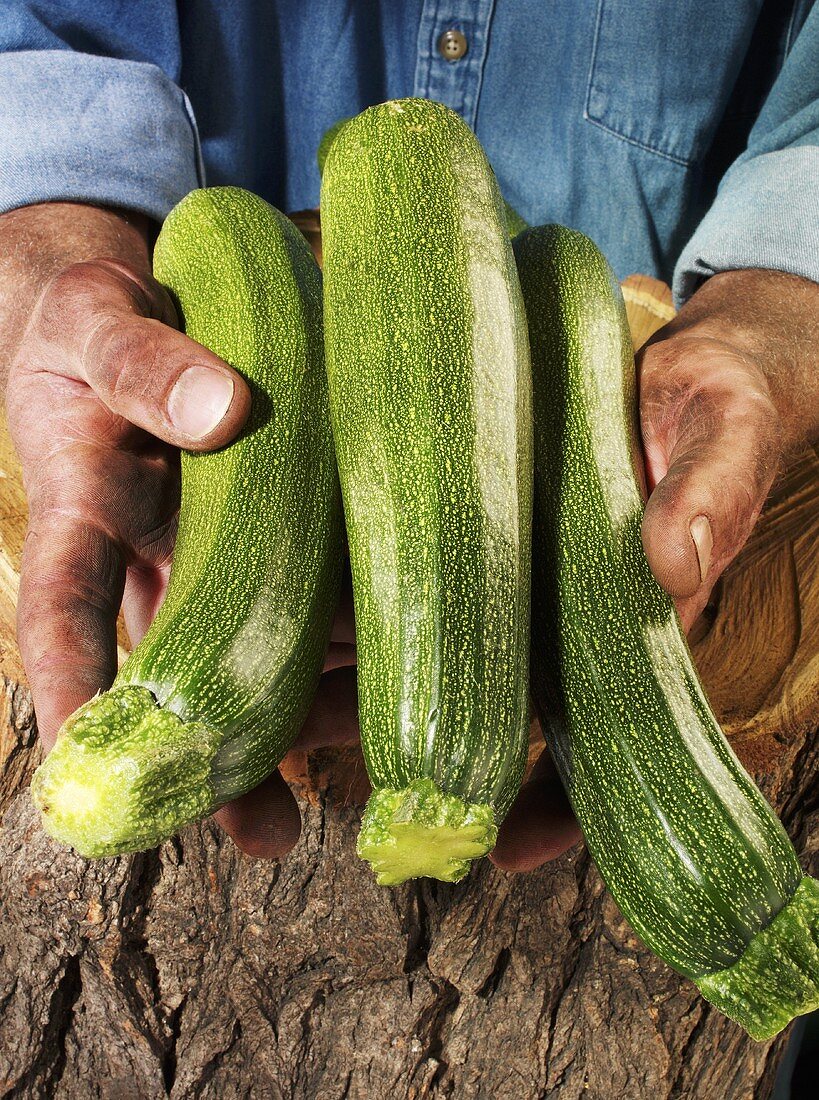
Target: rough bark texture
[(193, 971)]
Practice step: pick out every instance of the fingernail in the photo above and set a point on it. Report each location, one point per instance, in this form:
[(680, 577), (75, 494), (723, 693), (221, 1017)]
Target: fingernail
[(703, 542), (199, 400)]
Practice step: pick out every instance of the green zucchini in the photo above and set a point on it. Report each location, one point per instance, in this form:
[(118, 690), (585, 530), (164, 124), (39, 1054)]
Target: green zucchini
[(690, 850), (514, 222), (327, 139), (212, 698), (428, 365)]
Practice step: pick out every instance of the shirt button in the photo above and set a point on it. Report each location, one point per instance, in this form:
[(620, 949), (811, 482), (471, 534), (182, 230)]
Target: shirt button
[(452, 45)]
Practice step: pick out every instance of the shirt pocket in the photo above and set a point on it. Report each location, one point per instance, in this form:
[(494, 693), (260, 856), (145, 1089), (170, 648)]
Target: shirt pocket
[(661, 74)]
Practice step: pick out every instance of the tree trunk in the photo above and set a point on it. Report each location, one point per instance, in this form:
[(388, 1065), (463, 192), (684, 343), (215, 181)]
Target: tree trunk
[(193, 971)]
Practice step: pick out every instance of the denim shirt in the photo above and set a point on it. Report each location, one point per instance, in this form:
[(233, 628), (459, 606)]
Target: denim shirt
[(682, 137)]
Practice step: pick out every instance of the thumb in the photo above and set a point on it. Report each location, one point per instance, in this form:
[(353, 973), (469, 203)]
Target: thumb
[(711, 453), (105, 325)]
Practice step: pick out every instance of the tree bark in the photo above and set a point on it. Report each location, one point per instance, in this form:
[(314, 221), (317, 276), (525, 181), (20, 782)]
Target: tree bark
[(193, 971)]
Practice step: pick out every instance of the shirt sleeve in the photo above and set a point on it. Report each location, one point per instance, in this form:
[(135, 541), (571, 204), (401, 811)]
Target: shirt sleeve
[(100, 127), (766, 213)]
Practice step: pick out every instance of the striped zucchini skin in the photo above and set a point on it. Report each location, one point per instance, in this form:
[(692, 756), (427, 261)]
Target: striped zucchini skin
[(213, 696), (687, 845), (514, 222), (428, 364)]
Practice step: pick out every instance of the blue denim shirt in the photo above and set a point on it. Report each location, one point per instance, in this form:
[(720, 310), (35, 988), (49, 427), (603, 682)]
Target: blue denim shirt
[(681, 136)]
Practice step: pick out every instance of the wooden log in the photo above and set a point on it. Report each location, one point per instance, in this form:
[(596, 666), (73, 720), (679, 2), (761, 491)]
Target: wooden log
[(193, 971)]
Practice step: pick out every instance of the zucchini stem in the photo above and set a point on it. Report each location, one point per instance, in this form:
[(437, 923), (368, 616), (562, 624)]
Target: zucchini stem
[(777, 976), (125, 774), (419, 831)]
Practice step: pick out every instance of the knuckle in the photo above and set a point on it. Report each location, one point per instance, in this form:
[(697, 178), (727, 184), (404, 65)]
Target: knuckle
[(156, 544), (751, 405), (57, 495), (664, 366), (60, 661), (55, 587), (71, 288), (68, 557), (88, 287), (70, 300), (123, 360), (687, 366)]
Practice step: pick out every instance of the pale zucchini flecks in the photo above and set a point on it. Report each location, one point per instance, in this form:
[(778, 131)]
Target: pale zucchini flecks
[(687, 845), (514, 222), (213, 696), (428, 365)]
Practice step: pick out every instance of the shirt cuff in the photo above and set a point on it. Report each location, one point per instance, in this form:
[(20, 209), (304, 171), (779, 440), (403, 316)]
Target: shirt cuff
[(766, 214), (94, 129)]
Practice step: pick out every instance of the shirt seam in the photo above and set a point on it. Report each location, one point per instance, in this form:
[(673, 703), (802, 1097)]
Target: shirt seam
[(430, 18), (478, 84), (589, 117), (798, 10), (682, 161)]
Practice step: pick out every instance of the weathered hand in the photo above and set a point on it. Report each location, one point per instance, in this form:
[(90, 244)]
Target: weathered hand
[(102, 389), (713, 438), (726, 389)]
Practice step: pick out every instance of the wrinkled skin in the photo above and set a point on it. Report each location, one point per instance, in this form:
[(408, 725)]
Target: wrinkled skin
[(726, 390)]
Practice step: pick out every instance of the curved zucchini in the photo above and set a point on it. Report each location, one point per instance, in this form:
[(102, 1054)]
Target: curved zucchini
[(687, 845), (430, 397), (213, 696)]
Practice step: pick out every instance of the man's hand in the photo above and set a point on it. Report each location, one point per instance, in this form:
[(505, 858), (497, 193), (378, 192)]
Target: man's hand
[(102, 389), (726, 390), (100, 385)]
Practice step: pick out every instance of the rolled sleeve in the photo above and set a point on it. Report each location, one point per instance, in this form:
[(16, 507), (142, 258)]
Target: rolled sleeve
[(766, 214), (85, 128)]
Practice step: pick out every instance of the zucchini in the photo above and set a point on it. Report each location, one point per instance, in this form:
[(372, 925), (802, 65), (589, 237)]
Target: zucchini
[(327, 139), (212, 698), (430, 399), (514, 222), (689, 848)]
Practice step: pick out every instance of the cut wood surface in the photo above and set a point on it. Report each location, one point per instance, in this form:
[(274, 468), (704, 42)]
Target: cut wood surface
[(193, 971)]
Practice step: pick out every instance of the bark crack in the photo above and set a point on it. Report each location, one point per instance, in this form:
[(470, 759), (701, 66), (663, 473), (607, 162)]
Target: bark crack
[(210, 1068), (572, 958), (169, 1057), (19, 753), (43, 1076), (677, 1084), (433, 1027), (495, 976), (416, 928)]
